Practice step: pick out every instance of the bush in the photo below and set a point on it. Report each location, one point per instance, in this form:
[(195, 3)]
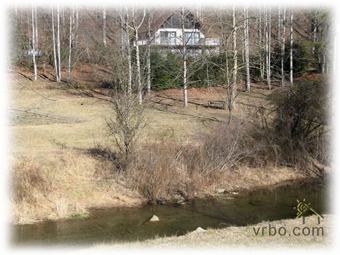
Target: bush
[(160, 171), (300, 125), (124, 127), (166, 71), (302, 59)]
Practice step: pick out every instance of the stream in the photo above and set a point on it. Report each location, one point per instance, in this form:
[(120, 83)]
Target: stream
[(112, 225)]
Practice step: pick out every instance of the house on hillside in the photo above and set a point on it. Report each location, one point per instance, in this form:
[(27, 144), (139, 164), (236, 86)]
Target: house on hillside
[(167, 33)]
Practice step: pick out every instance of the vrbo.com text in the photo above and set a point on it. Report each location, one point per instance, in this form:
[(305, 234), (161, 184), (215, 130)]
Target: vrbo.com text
[(271, 230)]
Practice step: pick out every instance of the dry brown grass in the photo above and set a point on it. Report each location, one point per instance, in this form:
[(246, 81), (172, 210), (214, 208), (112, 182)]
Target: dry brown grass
[(65, 186), (224, 158), (64, 137)]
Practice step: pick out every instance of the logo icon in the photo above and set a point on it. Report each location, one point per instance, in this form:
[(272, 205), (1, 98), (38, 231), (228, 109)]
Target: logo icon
[(303, 207)]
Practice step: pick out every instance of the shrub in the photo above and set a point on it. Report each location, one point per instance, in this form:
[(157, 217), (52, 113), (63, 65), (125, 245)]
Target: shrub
[(300, 124), (165, 70), (163, 170), (124, 127), (302, 59)]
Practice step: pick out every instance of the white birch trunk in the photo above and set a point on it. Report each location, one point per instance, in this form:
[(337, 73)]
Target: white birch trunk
[(185, 92), (279, 26), (246, 47), (58, 44), (76, 28), (34, 45), (261, 46), (148, 57), (70, 46), (127, 37), (104, 27), (54, 49), (138, 69), (227, 67), (283, 45), (36, 28), (266, 41), (139, 81), (291, 47), (314, 32), (234, 83), (269, 50)]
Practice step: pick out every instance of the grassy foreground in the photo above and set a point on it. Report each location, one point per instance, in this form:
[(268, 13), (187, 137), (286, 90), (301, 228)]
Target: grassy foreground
[(57, 136)]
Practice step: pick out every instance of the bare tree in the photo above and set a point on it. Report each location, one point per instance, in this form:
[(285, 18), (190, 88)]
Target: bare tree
[(124, 19), (76, 27), (184, 54), (36, 27), (148, 57), (260, 45), (124, 127), (291, 47), (268, 47), (104, 26), (283, 45), (34, 45), (70, 44), (136, 28), (58, 44), (54, 49), (246, 47), (315, 25), (232, 89)]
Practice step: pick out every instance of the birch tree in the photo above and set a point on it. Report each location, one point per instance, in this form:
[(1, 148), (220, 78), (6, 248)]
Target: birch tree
[(148, 57), (58, 44), (70, 44), (232, 89), (283, 45), (104, 26), (136, 28), (291, 47), (36, 27), (268, 47), (246, 47), (315, 25), (260, 55), (126, 42), (34, 49), (184, 54), (55, 49)]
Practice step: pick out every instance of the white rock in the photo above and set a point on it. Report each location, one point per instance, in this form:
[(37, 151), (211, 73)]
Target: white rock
[(220, 190), (199, 230), (154, 218)]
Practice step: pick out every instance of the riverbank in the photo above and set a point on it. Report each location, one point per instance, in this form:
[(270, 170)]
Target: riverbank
[(61, 157), (316, 235)]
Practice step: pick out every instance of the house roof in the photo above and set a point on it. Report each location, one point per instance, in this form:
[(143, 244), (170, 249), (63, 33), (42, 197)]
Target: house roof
[(158, 18)]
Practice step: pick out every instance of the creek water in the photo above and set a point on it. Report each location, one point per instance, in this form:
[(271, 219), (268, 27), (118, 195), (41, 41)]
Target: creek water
[(112, 225)]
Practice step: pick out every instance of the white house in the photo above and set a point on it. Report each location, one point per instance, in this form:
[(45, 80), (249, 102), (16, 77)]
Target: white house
[(167, 33)]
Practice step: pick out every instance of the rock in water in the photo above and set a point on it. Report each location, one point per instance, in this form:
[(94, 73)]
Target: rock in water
[(154, 218), (220, 191), (199, 230)]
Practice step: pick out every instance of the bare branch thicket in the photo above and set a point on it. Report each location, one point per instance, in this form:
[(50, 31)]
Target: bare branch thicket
[(124, 127)]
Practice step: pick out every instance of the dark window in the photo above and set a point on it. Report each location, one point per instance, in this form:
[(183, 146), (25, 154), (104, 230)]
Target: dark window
[(168, 38), (192, 38)]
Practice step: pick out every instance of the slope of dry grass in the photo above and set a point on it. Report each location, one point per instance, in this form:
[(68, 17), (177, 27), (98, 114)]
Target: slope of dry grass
[(60, 134)]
